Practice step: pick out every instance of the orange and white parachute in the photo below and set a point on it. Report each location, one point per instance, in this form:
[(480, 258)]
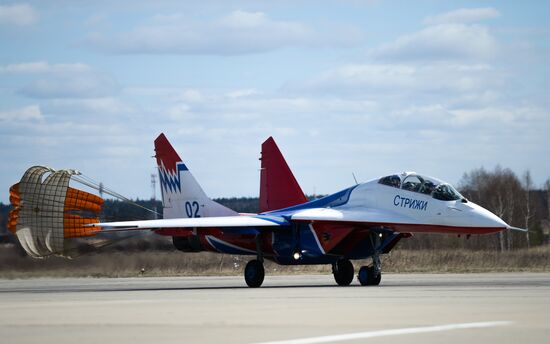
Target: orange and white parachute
[(47, 212)]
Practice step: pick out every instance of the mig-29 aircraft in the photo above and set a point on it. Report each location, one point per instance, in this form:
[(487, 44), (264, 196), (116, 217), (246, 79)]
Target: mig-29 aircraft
[(360, 222)]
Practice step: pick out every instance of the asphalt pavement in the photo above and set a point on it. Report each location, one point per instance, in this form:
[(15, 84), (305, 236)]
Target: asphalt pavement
[(428, 308)]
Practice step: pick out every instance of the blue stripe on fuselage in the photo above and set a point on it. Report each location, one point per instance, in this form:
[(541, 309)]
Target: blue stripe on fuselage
[(226, 247), (334, 200)]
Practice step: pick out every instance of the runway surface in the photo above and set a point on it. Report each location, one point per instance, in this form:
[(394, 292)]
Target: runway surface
[(439, 308)]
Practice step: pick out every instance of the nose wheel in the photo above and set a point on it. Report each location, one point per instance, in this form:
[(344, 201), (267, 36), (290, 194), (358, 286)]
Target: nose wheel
[(367, 276), (254, 273), (371, 275), (343, 272)]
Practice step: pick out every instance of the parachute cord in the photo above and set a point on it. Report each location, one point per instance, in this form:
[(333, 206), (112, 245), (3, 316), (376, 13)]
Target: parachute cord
[(95, 246), (99, 246), (87, 181), (35, 201)]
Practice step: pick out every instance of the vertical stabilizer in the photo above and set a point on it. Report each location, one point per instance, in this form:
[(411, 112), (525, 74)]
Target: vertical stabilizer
[(182, 196), (278, 187)]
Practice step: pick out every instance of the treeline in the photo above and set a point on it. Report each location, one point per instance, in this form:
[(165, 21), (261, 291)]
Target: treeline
[(511, 197), (515, 200), (4, 210)]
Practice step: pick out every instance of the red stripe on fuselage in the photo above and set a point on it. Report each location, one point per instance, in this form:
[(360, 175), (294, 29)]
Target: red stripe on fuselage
[(330, 235), (244, 241), (414, 228)]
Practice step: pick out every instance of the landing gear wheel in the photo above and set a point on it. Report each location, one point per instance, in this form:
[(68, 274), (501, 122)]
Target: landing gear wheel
[(376, 278), (254, 273), (363, 275), (343, 272), (368, 276)]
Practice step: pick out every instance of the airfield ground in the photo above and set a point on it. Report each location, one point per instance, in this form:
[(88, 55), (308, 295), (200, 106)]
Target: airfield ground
[(429, 308)]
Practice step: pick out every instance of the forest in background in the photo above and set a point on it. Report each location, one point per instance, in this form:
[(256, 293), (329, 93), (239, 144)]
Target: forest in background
[(513, 198)]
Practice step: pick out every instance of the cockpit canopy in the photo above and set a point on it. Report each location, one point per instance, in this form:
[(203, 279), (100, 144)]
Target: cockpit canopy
[(422, 184)]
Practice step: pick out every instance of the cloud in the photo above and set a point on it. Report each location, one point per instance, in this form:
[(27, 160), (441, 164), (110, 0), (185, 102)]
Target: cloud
[(239, 32), (374, 79), (443, 116), (42, 67), (463, 15), (225, 108), (448, 36), (83, 85), (360, 77), (92, 106), (18, 14), (179, 112), (242, 93), (242, 19), (512, 116), (62, 80), (441, 42), (27, 113), (190, 95)]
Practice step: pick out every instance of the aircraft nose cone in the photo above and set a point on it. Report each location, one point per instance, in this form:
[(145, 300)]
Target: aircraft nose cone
[(485, 218)]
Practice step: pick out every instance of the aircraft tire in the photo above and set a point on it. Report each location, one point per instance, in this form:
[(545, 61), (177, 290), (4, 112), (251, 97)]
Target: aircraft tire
[(343, 272), (363, 275), (375, 279), (254, 273), (367, 276)]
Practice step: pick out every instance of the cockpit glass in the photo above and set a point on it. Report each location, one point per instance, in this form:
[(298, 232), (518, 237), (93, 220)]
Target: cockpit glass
[(425, 185), (412, 183), (394, 181), (445, 192)]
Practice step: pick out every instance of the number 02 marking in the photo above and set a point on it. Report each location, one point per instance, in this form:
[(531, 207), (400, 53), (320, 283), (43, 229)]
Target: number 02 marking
[(192, 209)]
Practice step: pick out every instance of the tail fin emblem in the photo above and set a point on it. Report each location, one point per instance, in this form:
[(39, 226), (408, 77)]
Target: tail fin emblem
[(171, 181)]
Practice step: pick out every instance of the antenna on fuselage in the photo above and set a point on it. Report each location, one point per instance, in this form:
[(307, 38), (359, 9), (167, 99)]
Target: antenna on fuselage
[(356, 182)]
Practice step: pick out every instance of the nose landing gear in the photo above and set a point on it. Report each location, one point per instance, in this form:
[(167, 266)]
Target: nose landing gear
[(370, 275), (367, 276)]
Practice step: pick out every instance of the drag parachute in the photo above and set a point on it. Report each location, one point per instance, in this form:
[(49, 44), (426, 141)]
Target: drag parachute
[(47, 211)]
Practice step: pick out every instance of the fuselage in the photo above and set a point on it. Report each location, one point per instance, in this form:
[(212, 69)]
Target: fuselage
[(342, 224)]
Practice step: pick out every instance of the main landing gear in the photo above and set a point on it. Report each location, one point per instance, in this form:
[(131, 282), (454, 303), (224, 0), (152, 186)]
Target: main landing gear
[(254, 273), (343, 272)]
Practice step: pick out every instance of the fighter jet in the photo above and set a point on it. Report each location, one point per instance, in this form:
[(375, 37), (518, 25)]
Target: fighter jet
[(363, 221)]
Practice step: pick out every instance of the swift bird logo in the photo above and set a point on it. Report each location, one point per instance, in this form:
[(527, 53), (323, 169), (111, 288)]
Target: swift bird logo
[(171, 180)]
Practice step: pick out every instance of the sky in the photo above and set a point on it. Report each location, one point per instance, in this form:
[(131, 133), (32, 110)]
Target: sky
[(363, 87)]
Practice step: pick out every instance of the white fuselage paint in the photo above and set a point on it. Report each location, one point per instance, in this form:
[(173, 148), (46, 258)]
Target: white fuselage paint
[(418, 208)]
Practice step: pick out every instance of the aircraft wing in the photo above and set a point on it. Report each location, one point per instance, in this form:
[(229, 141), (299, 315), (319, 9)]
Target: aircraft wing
[(367, 216), (199, 222)]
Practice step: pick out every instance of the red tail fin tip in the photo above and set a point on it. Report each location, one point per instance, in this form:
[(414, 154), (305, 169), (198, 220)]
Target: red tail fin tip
[(278, 187), (165, 153)]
